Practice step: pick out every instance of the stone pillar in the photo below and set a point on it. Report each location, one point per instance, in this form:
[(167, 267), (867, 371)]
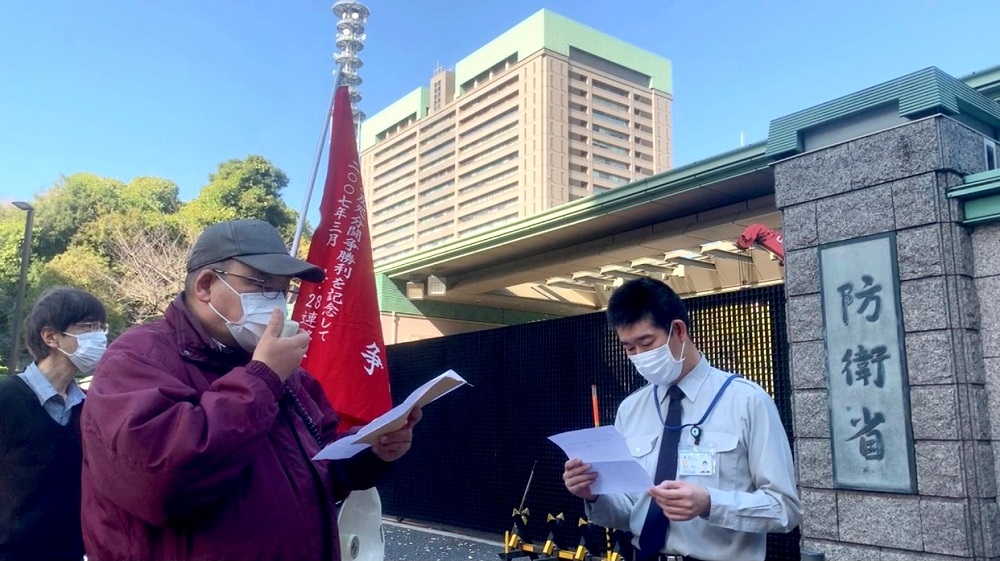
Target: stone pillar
[(896, 180)]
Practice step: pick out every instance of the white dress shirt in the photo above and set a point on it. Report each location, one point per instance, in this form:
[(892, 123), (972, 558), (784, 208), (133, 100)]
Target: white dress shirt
[(753, 488)]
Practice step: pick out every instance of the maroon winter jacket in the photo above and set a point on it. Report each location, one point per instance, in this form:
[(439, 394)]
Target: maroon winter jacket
[(191, 452)]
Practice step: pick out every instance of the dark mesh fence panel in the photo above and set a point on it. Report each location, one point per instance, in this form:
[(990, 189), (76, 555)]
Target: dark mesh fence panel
[(475, 448)]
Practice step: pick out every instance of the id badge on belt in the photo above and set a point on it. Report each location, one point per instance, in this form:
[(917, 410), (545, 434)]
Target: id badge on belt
[(697, 460)]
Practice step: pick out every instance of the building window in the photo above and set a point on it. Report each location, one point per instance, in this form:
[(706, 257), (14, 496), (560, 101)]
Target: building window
[(487, 95), (488, 225), (484, 140), (436, 201), (386, 186), (433, 217), (486, 153), (393, 232), (405, 165), (446, 144), (610, 118), (490, 166), (494, 194), (393, 244), (435, 243), (388, 197), (492, 123), (609, 88), (390, 209), (598, 100), (643, 114), (391, 256), (398, 218), (610, 147), (486, 211), (437, 162), (616, 179), (488, 181), (610, 162), (437, 175), (438, 134), (613, 133), (643, 100), (437, 188)]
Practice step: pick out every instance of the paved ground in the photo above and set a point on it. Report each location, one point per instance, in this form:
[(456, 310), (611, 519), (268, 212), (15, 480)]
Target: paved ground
[(410, 543)]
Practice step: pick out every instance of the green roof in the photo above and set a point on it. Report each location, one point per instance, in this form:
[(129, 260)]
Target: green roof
[(980, 197), (921, 93), (985, 81), (414, 103), (548, 30)]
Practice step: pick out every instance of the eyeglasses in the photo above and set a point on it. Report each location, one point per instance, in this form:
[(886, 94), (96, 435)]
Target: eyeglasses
[(89, 326), (269, 292)]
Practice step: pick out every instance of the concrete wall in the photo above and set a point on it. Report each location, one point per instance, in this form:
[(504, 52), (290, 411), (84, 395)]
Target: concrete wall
[(897, 179)]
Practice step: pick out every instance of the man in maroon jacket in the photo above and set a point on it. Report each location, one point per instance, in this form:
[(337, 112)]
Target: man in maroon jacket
[(199, 428)]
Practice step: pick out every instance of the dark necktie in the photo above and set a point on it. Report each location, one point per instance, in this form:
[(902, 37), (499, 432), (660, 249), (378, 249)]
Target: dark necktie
[(656, 528)]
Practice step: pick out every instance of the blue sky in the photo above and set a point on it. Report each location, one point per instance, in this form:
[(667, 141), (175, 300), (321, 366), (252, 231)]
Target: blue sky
[(127, 88)]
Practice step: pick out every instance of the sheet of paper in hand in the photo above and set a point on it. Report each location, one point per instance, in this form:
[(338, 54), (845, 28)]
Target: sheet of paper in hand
[(393, 419), (606, 452)]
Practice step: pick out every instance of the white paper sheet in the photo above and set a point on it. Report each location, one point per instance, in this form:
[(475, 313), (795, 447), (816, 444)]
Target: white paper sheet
[(391, 420), (608, 455)]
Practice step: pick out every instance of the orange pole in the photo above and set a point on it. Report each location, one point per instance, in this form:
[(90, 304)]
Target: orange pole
[(593, 402)]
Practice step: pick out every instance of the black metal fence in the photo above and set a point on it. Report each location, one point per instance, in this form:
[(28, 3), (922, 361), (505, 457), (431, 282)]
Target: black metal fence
[(476, 447)]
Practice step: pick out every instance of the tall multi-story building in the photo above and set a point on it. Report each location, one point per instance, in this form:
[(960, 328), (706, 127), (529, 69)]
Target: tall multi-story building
[(548, 112)]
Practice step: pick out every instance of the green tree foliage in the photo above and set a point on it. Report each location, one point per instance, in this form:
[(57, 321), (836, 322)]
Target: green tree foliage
[(242, 189), (69, 207), (79, 266), (127, 242), (151, 194)]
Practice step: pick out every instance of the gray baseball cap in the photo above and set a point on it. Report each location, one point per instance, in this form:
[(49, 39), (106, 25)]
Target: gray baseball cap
[(254, 243)]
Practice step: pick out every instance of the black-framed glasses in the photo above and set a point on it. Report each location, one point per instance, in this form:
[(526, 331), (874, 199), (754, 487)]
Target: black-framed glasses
[(269, 292)]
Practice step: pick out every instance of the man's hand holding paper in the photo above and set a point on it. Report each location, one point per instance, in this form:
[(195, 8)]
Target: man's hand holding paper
[(391, 432), (612, 469)]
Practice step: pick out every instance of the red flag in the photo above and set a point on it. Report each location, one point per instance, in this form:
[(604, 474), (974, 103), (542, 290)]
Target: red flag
[(347, 353)]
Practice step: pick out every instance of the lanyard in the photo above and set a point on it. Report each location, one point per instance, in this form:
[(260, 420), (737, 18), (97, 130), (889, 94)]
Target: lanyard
[(695, 427)]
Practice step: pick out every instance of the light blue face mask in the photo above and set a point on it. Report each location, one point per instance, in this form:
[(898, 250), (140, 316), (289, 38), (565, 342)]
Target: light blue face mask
[(658, 366), (90, 348), (257, 310)]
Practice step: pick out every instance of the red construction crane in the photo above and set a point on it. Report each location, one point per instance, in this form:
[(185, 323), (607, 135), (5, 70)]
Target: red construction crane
[(766, 238)]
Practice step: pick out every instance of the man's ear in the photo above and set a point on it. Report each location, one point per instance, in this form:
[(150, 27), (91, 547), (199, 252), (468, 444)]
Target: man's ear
[(49, 337), (680, 330), (203, 285)]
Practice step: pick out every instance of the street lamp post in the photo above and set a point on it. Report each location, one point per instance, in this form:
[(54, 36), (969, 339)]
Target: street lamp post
[(12, 360)]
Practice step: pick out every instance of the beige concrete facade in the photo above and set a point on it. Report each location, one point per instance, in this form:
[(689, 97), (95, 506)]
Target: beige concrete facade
[(520, 138)]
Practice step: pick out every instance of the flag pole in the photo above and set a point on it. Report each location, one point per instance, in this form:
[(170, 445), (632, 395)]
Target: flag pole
[(327, 123)]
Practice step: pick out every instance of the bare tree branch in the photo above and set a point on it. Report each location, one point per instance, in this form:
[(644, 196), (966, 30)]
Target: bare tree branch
[(150, 261)]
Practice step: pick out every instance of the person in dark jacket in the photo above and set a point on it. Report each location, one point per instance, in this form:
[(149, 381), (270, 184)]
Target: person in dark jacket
[(40, 454), (200, 427)]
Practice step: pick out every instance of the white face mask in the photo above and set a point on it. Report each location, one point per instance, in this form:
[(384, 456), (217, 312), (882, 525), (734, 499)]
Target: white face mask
[(257, 310), (90, 348), (658, 366)]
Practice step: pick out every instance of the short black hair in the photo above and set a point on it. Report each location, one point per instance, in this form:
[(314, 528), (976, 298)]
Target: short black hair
[(59, 307), (643, 298)]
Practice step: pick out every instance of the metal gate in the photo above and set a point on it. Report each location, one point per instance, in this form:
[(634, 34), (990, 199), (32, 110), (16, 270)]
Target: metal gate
[(475, 448)]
